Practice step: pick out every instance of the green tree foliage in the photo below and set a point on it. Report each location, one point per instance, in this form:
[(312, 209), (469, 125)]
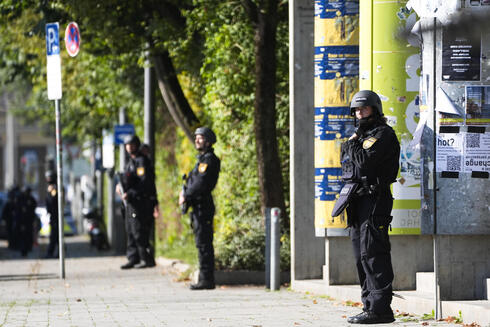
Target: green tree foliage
[(228, 73), (213, 49), (94, 86)]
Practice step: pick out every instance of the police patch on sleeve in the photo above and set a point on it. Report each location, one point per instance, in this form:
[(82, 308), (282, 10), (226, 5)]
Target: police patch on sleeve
[(368, 143), (202, 167), (140, 171)]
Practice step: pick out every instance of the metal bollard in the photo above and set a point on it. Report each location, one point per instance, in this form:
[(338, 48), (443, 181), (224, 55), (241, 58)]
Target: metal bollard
[(268, 248), (275, 279)]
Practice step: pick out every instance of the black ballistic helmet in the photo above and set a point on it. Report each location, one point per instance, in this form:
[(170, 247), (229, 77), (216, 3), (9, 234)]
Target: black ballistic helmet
[(207, 133), (132, 139), (366, 98)]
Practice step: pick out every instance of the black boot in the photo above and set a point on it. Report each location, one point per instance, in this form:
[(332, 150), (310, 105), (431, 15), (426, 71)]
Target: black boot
[(354, 318), (128, 265), (144, 264), (203, 285), (369, 317)]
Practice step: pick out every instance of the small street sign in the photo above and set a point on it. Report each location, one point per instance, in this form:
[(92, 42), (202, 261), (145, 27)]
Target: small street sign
[(121, 132), (72, 39), (107, 149), (53, 61)]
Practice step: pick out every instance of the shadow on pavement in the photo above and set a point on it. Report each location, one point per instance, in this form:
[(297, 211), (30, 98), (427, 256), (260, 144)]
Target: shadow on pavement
[(79, 249), (77, 246), (8, 278)]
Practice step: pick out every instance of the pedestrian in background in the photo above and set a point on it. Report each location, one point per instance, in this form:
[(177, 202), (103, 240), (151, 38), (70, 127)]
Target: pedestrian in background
[(11, 216), (52, 209), (200, 183), (370, 158), (25, 226), (136, 189)]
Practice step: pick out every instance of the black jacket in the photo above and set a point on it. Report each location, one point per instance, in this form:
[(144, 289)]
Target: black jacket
[(52, 205), (139, 181), (203, 178), (375, 154)]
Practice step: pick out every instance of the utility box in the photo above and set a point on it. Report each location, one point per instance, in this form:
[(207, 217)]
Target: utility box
[(453, 134), (454, 124)]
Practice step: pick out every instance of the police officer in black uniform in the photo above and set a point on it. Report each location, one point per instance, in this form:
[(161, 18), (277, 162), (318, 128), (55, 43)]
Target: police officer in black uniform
[(136, 190), (371, 155), (52, 209), (200, 183)]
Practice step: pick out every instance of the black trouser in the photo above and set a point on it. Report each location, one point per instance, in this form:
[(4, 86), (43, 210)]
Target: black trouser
[(138, 221), (202, 223), (53, 239), (369, 235), (25, 237)]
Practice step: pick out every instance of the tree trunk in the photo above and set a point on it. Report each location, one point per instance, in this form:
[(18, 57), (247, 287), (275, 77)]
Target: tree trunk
[(172, 94), (269, 167)]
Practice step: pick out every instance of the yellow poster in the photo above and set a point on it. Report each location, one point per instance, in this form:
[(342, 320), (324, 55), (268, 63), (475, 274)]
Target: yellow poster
[(336, 80)]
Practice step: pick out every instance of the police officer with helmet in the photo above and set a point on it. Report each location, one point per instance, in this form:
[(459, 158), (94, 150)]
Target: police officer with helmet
[(370, 162), (200, 183), (136, 189)]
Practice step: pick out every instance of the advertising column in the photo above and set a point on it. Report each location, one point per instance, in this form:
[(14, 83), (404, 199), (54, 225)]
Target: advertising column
[(336, 80), (390, 66)]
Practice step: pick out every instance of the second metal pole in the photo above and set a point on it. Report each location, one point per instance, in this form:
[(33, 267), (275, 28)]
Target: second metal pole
[(149, 137), (122, 151)]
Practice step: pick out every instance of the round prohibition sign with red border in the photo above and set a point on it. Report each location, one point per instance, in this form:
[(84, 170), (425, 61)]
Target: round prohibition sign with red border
[(72, 39)]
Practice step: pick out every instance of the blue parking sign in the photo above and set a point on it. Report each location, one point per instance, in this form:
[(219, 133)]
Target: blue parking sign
[(121, 132), (52, 39)]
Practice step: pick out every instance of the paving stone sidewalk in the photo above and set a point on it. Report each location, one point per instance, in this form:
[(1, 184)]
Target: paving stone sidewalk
[(97, 293)]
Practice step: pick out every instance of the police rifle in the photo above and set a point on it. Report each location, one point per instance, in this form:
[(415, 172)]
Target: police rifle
[(184, 207), (122, 185)]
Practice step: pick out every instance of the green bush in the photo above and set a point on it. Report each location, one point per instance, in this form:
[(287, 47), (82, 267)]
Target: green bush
[(242, 246)]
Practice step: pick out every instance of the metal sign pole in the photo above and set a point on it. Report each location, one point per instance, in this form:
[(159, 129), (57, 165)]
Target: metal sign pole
[(437, 304), (59, 164), (53, 74)]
